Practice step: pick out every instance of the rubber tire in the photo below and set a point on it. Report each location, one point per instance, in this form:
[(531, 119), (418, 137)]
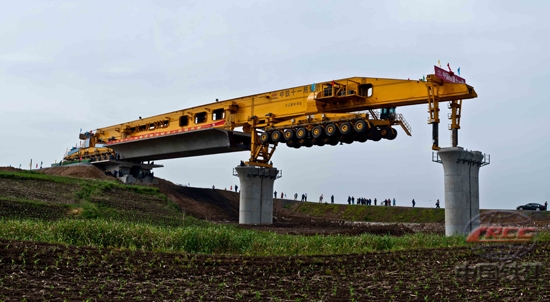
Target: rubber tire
[(374, 134), (347, 139), (538, 209), (386, 132), (276, 136), (291, 143), (360, 126), (521, 209), (361, 138), (394, 134), (317, 132), (319, 142), (301, 133), (289, 134), (265, 138), (345, 128), (305, 143), (331, 129)]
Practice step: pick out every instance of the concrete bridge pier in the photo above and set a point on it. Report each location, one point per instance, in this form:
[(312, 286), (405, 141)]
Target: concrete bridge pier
[(256, 197), (461, 170)]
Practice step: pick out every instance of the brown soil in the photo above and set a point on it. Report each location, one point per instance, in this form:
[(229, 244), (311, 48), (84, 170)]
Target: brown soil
[(296, 225), (44, 191), (34, 271), (10, 169), (208, 204), (77, 171)]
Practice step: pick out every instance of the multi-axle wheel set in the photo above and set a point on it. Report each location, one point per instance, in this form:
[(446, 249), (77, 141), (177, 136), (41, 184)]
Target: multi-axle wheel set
[(330, 133)]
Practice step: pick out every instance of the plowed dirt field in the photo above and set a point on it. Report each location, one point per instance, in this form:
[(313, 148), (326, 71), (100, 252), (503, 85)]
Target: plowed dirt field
[(37, 271), (34, 271)]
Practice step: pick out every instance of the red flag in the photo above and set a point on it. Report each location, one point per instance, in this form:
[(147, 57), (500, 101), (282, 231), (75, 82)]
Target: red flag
[(449, 66), (332, 83)]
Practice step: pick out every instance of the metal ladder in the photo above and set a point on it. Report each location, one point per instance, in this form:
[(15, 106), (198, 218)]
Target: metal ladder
[(401, 121)]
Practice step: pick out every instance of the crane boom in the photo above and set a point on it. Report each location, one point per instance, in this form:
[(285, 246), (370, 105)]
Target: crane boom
[(315, 114)]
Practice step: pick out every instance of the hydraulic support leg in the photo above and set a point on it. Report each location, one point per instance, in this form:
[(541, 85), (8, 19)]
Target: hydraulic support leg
[(456, 108), (433, 110), (260, 153)]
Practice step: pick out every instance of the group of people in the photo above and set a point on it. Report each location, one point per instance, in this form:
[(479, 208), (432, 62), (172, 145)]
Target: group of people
[(304, 196), (352, 200), (331, 198), (368, 201), (283, 195)]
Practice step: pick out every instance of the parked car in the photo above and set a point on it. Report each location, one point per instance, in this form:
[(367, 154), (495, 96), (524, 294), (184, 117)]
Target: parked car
[(532, 207)]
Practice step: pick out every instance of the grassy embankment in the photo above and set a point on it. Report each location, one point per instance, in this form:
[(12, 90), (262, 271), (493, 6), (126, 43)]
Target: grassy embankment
[(368, 213), (384, 214), (107, 214)]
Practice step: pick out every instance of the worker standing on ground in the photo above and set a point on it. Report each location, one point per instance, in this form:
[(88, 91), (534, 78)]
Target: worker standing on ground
[(414, 203), (437, 204), (275, 194), (321, 198), (394, 202), (332, 199)]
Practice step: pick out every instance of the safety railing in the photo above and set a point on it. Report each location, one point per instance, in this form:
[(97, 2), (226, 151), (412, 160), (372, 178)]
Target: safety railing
[(261, 172), (406, 127)]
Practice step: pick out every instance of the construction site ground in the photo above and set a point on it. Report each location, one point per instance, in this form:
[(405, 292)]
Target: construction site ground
[(290, 217), (222, 206), (37, 271)]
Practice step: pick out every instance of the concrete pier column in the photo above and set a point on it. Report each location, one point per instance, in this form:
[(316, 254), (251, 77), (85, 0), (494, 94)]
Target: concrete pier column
[(461, 169), (256, 197)]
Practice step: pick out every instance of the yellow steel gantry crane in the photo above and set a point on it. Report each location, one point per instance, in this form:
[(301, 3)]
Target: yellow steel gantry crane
[(329, 112)]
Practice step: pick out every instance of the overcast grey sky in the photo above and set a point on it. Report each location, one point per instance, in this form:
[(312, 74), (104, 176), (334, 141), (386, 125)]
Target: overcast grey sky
[(67, 65)]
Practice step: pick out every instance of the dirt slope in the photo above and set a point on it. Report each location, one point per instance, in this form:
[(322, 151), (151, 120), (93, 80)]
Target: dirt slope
[(77, 171), (208, 204)]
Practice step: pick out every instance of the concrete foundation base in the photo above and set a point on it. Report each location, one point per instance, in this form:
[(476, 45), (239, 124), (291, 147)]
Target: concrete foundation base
[(129, 172), (461, 169), (131, 180), (256, 197)]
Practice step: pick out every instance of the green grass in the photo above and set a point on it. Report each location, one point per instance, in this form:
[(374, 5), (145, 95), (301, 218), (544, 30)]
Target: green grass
[(88, 186), (208, 239), (92, 199), (204, 238), (369, 213), (28, 175)]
